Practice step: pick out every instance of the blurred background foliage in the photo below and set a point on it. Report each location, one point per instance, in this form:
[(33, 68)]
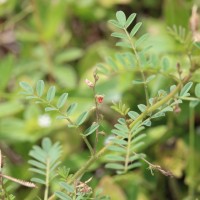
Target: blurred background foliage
[(61, 41)]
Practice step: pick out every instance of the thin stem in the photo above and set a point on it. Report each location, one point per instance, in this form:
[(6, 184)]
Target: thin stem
[(139, 64), (192, 151), (82, 170), (47, 181), (88, 145), (97, 116)]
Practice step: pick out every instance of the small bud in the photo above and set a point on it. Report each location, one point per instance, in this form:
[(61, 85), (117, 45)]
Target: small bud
[(89, 83), (99, 98), (177, 109), (96, 77)]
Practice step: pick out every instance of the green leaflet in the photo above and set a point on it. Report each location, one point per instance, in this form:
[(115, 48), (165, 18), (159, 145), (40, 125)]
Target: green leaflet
[(51, 93), (63, 196), (197, 90), (91, 129), (62, 100), (142, 107), (130, 20), (135, 29), (82, 117), (121, 17), (71, 109), (115, 166), (185, 89), (25, 86), (40, 88)]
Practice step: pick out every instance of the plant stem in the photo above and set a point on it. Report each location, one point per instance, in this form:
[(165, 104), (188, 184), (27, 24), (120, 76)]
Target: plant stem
[(139, 64), (191, 153), (88, 145), (82, 170), (47, 181), (97, 116)]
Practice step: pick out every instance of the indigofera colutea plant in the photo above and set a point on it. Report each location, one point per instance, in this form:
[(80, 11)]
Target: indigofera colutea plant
[(123, 152)]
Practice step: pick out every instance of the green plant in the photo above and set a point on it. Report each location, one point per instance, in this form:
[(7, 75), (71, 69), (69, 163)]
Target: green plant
[(125, 147)]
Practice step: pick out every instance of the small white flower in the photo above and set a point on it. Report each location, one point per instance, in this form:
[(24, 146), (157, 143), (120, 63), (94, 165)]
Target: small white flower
[(44, 121)]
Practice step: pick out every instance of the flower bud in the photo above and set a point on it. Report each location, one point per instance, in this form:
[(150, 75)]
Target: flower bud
[(99, 98), (89, 83)]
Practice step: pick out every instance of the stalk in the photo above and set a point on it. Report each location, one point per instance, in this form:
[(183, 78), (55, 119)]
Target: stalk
[(47, 181)]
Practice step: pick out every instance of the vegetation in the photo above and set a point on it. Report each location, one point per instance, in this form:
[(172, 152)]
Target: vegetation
[(108, 128)]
